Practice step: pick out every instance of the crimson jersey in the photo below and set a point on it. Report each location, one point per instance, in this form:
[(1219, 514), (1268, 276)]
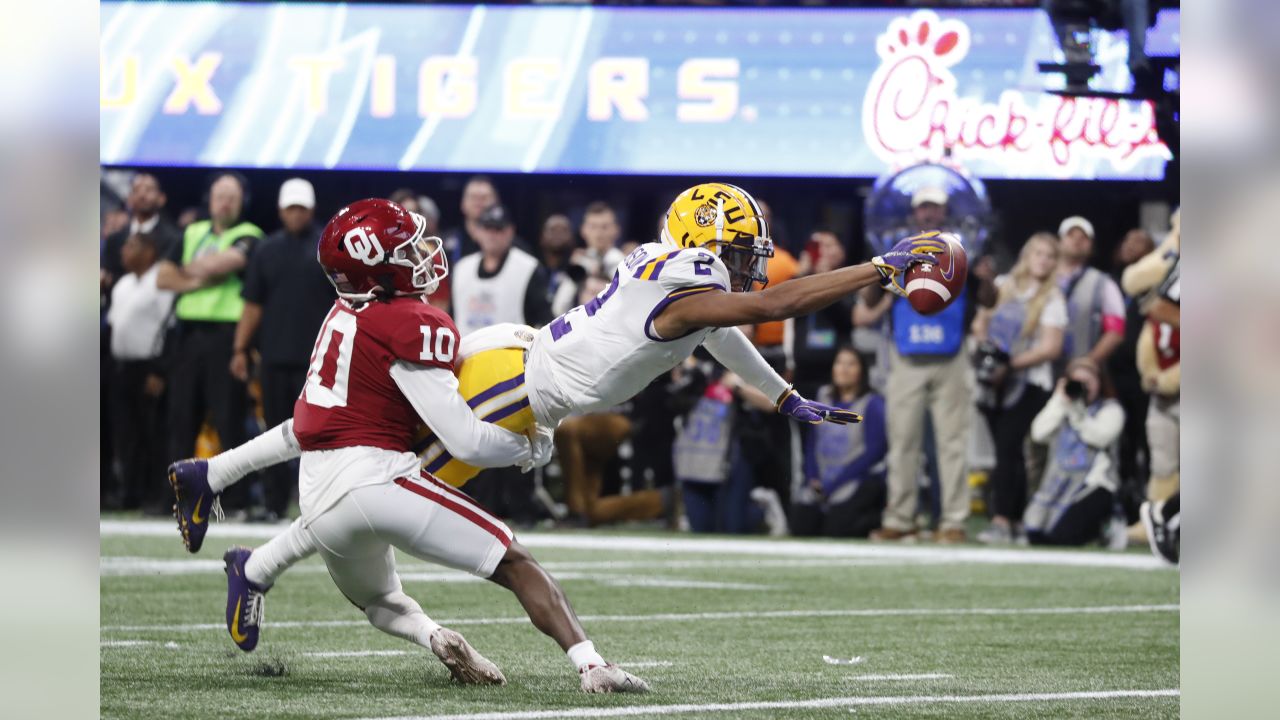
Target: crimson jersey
[(350, 398)]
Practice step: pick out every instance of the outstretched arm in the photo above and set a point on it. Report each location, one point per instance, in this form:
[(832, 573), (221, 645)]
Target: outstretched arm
[(731, 349), (800, 296)]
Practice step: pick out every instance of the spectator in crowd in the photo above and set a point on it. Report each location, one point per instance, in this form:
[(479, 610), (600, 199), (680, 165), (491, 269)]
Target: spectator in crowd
[(1160, 362), (501, 283), (1123, 370), (478, 195), (145, 204), (187, 216), (139, 317), (286, 296), (927, 371), (206, 269), (1081, 424), (556, 245), (811, 342), (600, 232), (702, 454), (1095, 306), (1019, 339), (844, 491)]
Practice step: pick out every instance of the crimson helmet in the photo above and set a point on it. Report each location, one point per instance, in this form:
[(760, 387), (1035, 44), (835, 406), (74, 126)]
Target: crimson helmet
[(375, 248)]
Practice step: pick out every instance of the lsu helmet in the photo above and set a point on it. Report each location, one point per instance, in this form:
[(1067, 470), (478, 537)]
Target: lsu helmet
[(726, 220), (375, 248)]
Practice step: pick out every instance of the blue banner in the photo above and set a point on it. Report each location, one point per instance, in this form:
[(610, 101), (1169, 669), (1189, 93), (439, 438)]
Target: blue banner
[(686, 91)]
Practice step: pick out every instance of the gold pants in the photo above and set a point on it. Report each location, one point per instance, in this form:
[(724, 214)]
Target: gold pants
[(492, 382)]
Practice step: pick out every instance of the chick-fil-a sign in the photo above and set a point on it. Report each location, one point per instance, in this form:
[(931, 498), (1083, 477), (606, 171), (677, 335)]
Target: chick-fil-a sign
[(912, 110)]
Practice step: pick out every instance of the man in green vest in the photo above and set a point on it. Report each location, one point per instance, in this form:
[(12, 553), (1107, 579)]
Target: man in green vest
[(207, 268)]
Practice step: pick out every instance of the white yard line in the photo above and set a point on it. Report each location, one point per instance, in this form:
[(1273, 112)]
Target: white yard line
[(646, 664), (799, 705), (685, 617), (921, 676), (134, 566), (683, 545)]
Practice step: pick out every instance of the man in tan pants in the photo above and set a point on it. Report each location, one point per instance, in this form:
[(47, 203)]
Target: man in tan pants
[(939, 384), (586, 444)]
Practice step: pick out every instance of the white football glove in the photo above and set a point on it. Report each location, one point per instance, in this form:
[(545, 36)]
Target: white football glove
[(541, 447)]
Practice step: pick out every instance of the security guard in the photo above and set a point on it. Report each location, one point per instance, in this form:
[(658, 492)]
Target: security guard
[(206, 268)]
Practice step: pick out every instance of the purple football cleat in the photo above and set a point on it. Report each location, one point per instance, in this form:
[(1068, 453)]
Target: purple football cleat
[(244, 600), (195, 500)]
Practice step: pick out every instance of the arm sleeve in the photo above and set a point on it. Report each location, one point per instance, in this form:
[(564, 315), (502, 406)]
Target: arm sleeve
[(1113, 310), (732, 349), (537, 307), (875, 445), (1103, 427), (433, 393), (1048, 419)]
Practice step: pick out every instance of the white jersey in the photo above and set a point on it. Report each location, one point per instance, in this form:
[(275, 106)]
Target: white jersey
[(601, 354)]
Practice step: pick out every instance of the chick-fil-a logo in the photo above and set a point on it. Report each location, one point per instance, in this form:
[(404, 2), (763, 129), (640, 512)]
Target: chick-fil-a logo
[(912, 111)]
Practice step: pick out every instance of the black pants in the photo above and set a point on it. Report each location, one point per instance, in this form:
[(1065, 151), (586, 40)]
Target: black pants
[(138, 436), (1009, 428), (855, 517), (281, 385), (1081, 523), (200, 385)]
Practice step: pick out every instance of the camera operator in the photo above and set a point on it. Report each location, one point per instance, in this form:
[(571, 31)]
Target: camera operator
[(1019, 338), (1081, 423)]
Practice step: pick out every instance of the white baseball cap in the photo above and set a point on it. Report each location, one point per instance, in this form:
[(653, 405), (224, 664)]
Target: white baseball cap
[(1075, 221), (296, 191), (924, 195)]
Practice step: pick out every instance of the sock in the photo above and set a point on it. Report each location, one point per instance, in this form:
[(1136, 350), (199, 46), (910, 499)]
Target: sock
[(400, 615), (584, 654), (271, 447), (279, 554)]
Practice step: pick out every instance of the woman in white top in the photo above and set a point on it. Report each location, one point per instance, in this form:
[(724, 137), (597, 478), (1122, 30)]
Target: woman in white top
[(1021, 336)]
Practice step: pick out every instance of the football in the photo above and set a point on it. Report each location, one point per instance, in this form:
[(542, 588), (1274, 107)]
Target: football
[(931, 288)]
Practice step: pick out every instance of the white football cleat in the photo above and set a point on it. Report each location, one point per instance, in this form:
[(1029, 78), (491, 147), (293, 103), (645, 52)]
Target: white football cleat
[(465, 664), (610, 679)]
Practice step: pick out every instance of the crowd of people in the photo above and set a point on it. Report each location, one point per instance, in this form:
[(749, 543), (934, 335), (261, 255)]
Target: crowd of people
[(1065, 366)]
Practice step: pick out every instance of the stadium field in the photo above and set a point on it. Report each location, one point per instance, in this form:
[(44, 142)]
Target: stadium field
[(720, 627)]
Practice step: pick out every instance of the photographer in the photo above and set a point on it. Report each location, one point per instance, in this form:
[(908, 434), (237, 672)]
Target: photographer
[(1019, 338), (1081, 424)]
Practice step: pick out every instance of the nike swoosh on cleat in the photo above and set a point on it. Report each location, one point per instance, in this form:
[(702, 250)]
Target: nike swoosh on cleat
[(235, 625), (195, 512)]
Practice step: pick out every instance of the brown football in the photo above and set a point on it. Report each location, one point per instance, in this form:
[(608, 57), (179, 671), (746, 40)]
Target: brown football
[(931, 288)]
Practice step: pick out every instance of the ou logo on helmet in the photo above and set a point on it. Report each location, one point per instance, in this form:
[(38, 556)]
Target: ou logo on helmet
[(364, 246)]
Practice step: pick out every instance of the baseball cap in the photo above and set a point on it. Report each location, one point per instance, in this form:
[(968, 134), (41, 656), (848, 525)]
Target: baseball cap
[(1075, 221), (296, 191), (928, 195), (495, 217)]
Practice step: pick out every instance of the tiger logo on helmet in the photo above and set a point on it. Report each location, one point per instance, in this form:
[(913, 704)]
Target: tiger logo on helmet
[(726, 220)]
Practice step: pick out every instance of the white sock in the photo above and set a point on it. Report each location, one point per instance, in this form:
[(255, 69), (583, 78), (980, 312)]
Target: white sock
[(271, 447), (400, 615), (279, 554), (584, 654)]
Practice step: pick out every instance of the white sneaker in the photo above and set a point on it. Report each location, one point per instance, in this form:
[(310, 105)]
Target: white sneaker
[(774, 516), (996, 535), (465, 664), (610, 679)]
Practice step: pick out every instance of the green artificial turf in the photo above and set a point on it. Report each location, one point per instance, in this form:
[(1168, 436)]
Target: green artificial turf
[(998, 631)]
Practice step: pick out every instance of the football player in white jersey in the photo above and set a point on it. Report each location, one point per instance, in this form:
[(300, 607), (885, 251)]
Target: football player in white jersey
[(691, 287)]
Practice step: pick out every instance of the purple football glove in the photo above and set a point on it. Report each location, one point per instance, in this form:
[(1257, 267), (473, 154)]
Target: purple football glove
[(916, 249), (792, 405)]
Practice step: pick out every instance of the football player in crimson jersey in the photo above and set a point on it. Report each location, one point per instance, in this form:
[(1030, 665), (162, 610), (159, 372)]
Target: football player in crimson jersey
[(383, 361)]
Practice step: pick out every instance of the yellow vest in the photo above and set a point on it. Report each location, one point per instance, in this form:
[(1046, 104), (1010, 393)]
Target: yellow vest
[(221, 302)]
